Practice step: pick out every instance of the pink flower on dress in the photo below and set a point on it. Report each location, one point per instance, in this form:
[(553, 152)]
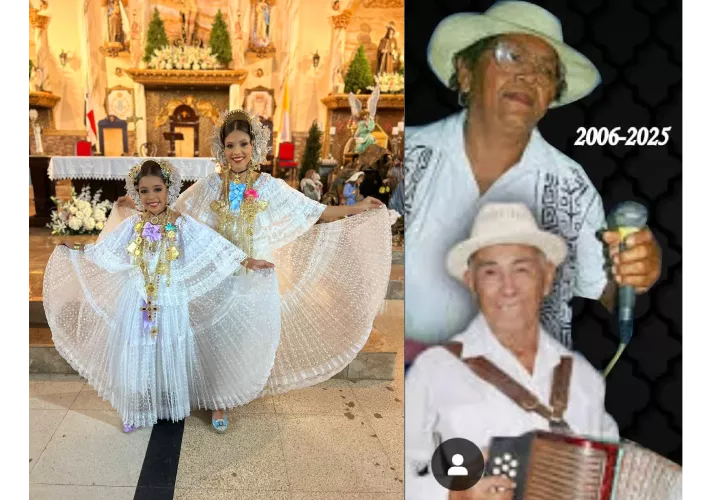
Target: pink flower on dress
[(251, 193)]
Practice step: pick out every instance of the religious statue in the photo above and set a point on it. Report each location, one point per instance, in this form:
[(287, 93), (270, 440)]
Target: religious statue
[(36, 132), (135, 40), (387, 51), (365, 120), (338, 81), (115, 24), (238, 45), (189, 11), (38, 80), (39, 19), (262, 24)]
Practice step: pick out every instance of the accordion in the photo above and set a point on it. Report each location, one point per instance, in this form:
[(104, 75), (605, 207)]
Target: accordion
[(550, 466)]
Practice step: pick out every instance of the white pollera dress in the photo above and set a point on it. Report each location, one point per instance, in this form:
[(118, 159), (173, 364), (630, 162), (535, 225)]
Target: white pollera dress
[(225, 337)]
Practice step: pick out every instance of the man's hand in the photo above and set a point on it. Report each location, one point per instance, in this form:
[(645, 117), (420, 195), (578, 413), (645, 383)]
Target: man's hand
[(488, 488), (639, 266), (369, 203), (257, 264)]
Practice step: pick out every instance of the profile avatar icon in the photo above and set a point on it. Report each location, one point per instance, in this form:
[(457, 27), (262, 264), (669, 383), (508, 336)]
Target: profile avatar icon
[(457, 470), (468, 464)]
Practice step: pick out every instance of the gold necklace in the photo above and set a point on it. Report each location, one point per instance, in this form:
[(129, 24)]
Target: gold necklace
[(155, 219), (238, 227), (168, 253), (236, 176)]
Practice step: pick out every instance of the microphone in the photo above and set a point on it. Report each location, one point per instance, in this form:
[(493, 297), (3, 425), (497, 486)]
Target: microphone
[(627, 218)]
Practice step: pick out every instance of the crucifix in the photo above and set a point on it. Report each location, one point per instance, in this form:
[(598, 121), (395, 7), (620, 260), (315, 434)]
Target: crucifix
[(149, 309), (172, 137)]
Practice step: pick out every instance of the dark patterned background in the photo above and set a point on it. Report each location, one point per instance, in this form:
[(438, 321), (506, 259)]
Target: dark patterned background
[(636, 44)]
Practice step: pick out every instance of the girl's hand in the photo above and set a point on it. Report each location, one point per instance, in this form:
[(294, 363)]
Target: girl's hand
[(127, 202), (370, 203), (257, 264), (72, 246)]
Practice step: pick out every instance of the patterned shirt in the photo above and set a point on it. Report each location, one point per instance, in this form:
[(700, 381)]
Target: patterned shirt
[(442, 201)]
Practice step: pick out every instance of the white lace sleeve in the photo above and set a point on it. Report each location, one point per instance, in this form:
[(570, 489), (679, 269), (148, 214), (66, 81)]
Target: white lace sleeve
[(117, 215), (110, 251), (289, 214), (196, 200), (206, 258)]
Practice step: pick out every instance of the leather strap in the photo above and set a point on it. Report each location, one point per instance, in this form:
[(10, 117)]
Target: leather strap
[(490, 373), (560, 387)]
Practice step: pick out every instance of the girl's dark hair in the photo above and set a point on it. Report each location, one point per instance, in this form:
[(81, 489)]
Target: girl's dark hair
[(150, 168), (237, 124)]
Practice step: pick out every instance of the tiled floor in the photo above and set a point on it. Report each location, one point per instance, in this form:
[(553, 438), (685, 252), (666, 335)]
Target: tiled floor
[(338, 440)]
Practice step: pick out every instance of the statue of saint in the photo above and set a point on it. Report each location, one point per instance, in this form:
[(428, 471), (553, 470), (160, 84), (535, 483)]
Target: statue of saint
[(39, 19), (338, 81), (387, 51), (238, 44), (115, 24), (262, 24)]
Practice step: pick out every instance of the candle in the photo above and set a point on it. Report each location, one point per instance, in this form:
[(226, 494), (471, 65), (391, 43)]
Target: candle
[(332, 130), (401, 126), (394, 131)]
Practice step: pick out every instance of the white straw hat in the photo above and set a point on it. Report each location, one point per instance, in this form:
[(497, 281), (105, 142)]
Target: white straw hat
[(355, 176), (504, 224), (459, 31)]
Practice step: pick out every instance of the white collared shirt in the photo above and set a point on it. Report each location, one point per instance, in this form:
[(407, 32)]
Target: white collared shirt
[(442, 200), (444, 399)]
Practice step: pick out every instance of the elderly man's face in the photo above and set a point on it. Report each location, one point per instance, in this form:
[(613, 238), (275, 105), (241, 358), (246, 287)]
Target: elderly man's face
[(517, 94), (510, 282)]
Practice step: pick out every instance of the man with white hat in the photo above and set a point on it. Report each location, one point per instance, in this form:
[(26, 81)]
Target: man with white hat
[(508, 264), (508, 66)]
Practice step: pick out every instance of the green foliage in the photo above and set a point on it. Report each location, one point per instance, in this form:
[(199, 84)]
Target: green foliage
[(156, 36), (220, 44), (311, 156), (359, 75)]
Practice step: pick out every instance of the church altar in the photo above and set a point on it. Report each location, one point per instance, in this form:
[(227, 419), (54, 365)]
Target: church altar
[(117, 167), (108, 172)]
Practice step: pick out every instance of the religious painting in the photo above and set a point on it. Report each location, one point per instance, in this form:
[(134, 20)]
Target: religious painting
[(120, 102), (260, 30), (260, 101)]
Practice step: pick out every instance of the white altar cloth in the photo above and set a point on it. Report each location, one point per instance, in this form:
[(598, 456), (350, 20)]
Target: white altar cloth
[(117, 167)]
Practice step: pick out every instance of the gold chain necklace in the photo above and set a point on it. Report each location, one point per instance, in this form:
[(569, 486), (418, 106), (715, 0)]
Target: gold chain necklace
[(168, 253), (238, 226)]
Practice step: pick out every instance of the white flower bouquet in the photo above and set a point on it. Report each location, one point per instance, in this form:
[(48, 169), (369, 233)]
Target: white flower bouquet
[(189, 58), (390, 83), (80, 215)]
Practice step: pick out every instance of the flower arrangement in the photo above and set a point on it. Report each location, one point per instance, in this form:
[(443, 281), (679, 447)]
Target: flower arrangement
[(81, 215), (390, 83), (188, 57)]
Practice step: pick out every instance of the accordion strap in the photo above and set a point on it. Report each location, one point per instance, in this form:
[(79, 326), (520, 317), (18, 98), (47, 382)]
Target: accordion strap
[(490, 373)]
